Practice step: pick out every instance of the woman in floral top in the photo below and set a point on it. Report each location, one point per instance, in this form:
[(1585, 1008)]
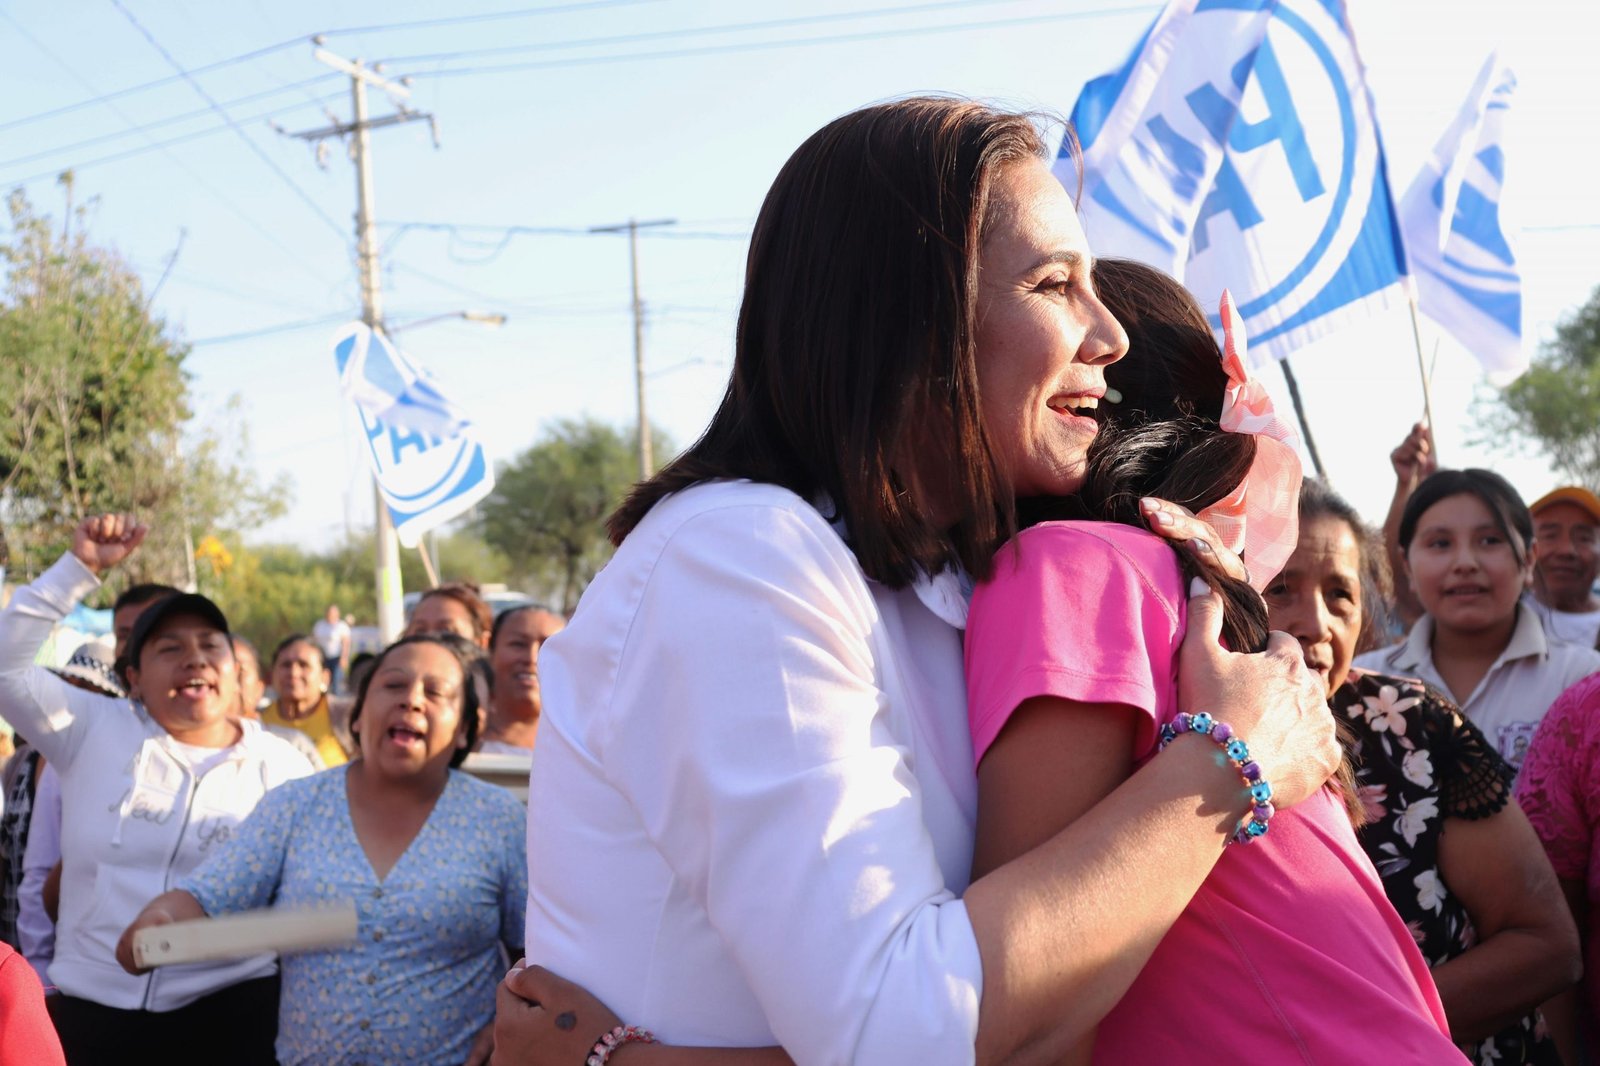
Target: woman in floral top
[(434, 861), (1458, 859)]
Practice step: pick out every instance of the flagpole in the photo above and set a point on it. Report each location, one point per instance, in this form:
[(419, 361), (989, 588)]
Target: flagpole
[(1300, 413), (1422, 370)]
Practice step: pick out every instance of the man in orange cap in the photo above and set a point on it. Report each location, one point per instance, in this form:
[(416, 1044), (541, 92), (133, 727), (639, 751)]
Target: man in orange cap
[(1565, 524)]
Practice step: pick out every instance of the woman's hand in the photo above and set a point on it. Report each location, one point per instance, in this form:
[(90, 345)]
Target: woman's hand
[(103, 541), (1179, 525), (542, 1020), (1271, 699), (482, 1047), (169, 907), (155, 914), (1414, 460)]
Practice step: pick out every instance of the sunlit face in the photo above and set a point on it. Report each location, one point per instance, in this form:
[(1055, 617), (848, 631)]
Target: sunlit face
[(442, 614), (185, 675), (1463, 568), (251, 685), (411, 720), (515, 656), (1043, 338), (1316, 598), (1568, 561), (299, 676)]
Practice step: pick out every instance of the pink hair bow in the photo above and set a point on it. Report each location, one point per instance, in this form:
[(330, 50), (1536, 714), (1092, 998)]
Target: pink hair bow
[(1259, 520)]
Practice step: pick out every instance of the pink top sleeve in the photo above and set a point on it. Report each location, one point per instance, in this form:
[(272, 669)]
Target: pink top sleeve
[(1086, 611), (1559, 784)]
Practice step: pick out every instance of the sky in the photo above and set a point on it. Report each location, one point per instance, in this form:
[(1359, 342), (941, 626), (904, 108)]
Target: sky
[(569, 115)]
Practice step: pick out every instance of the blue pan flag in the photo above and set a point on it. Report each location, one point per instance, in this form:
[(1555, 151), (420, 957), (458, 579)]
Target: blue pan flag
[(1237, 149), (1457, 239), (423, 451)]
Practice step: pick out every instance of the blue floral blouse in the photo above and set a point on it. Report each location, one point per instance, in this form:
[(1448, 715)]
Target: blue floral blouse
[(419, 981)]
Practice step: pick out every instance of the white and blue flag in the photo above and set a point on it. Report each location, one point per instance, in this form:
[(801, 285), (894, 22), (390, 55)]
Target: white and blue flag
[(1237, 149), (1462, 261), (424, 453)]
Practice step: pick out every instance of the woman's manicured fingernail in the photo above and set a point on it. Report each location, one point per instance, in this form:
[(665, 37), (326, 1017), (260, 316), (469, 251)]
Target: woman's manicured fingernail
[(1198, 587), (1160, 518), (1201, 546)]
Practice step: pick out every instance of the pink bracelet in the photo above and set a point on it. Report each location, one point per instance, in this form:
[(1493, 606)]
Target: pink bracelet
[(622, 1034)]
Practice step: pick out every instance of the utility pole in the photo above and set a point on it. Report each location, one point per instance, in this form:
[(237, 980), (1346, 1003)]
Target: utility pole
[(391, 613), (632, 228)]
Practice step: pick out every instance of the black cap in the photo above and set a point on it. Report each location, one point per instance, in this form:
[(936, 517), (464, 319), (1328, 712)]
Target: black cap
[(189, 603)]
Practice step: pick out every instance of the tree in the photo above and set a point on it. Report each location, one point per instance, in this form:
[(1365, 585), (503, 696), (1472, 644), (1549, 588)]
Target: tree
[(96, 407), (1555, 406), (548, 509)]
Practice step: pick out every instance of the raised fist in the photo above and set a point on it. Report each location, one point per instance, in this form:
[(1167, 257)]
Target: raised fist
[(1414, 459), (103, 541)]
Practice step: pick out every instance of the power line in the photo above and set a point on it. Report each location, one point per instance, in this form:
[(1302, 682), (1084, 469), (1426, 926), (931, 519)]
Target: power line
[(170, 121), (257, 53), (266, 331), (248, 219), (116, 94), (154, 145), (756, 46), (260, 152), (489, 16), (553, 231), (695, 31)]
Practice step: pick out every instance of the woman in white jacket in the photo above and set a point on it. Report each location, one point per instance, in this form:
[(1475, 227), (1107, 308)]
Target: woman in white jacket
[(149, 785)]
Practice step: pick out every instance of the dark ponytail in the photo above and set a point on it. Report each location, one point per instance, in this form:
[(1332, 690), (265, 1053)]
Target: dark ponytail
[(1163, 440)]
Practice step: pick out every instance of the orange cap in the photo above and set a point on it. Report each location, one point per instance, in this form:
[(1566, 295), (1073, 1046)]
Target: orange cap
[(1576, 495)]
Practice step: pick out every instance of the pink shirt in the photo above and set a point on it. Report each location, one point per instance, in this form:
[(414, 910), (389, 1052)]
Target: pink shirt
[(1559, 788), (1290, 952)]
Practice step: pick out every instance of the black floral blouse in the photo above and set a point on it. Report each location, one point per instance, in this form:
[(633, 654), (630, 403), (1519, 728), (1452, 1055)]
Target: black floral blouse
[(1421, 762)]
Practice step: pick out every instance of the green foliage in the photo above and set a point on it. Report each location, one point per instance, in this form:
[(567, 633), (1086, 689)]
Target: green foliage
[(1555, 406), (548, 510), (96, 408), (269, 591)]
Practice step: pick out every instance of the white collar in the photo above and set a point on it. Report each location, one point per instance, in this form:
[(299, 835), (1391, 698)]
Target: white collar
[(947, 594)]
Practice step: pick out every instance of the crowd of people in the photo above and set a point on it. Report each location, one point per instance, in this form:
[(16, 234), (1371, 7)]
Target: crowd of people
[(987, 684)]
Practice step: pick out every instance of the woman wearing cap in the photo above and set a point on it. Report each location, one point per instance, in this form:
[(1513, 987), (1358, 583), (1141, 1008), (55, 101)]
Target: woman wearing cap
[(149, 785)]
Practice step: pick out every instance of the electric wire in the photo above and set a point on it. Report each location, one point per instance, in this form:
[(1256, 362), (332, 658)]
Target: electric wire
[(261, 153), (769, 45), (297, 256), (695, 31), (171, 120), (300, 41)]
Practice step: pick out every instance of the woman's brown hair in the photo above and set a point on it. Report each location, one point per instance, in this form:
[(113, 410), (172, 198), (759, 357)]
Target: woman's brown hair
[(466, 594), (1162, 439), (856, 336)]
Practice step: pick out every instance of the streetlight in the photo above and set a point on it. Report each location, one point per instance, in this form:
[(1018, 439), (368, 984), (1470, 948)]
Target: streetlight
[(487, 318)]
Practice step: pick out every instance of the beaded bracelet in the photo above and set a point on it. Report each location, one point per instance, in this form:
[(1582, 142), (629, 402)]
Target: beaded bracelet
[(1254, 824), (609, 1042)]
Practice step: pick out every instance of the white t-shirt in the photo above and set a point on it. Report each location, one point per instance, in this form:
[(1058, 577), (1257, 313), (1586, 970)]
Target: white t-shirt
[(331, 638), (1574, 627), (1511, 700), (764, 777)]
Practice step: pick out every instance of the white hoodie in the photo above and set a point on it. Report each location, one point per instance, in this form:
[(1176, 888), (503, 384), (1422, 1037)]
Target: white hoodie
[(134, 816)]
